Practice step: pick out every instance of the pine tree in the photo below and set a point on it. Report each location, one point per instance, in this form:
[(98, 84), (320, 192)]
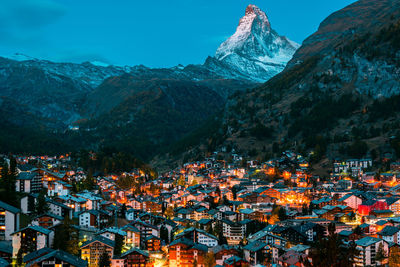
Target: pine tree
[(209, 259), (19, 257), (74, 188), (123, 211), (89, 182), (380, 254), (3, 182), (169, 212), (66, 237), (331, 251), (261, 256), (164, 234), (41, 206), (104, 260), (119, 243), (234, 190), (394, 257), (222, 239), (282, 214), (182, 181), (7, 185)]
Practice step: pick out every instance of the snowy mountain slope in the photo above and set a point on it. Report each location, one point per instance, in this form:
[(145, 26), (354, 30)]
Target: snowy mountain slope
[(89, 73), (255, 51)]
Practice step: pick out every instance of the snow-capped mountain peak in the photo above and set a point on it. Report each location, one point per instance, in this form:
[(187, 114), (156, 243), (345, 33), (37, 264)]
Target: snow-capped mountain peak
[(255, 50)]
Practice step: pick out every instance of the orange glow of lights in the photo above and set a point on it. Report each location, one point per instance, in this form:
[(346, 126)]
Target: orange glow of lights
[(271, 171), (286, 174)]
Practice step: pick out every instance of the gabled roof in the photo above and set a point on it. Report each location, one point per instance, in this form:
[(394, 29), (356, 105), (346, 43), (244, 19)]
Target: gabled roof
[(367, 241), (89, 196), (305, 227), (93, 212), (381, 222), (9, 207), (100, 239), (389, 231), (61, 255), (392, 200), (213, 211), (138, 221), (192, 229), (35, 228), (6, 247), (300, 248), (37, 254), (229, 213), (320, 212), (217, 249), (246, 211), (184, 211), (261, 189), (182, 240), (4, 263), (63, 183), (49, 214), (130, 228), (234, 259), (73, 198), (170, 222), (229, 222), (189, 243), (113, 230), (346, 233), (346, 197), (135, 250), (62, 205), (204, 221), (255, 246), (291, 257), (321, 200), (26, 176), (25, 167)]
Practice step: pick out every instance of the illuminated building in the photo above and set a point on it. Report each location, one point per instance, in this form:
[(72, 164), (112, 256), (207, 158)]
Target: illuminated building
[(368, 246), (153, 243), (92, 250), (47, 220), (184, 252), (31, 238), (56, 258), (136, 258), (9, 220)]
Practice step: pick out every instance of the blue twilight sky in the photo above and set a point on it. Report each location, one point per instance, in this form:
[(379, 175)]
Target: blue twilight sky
[(156, 33)]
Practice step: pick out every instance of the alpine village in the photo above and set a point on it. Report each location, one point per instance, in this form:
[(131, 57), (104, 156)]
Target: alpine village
[(271, 153)]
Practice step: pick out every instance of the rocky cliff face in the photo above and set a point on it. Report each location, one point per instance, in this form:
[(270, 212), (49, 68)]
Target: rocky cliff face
[(356, 48), (361, 17)]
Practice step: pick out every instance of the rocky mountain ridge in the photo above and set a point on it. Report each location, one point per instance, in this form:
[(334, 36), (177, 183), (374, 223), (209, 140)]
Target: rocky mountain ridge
[(136, 106), (338, 97), (255, 51)]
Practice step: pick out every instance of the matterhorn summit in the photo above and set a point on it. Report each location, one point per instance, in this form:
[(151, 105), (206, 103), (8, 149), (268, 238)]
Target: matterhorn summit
[(255, 51)]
